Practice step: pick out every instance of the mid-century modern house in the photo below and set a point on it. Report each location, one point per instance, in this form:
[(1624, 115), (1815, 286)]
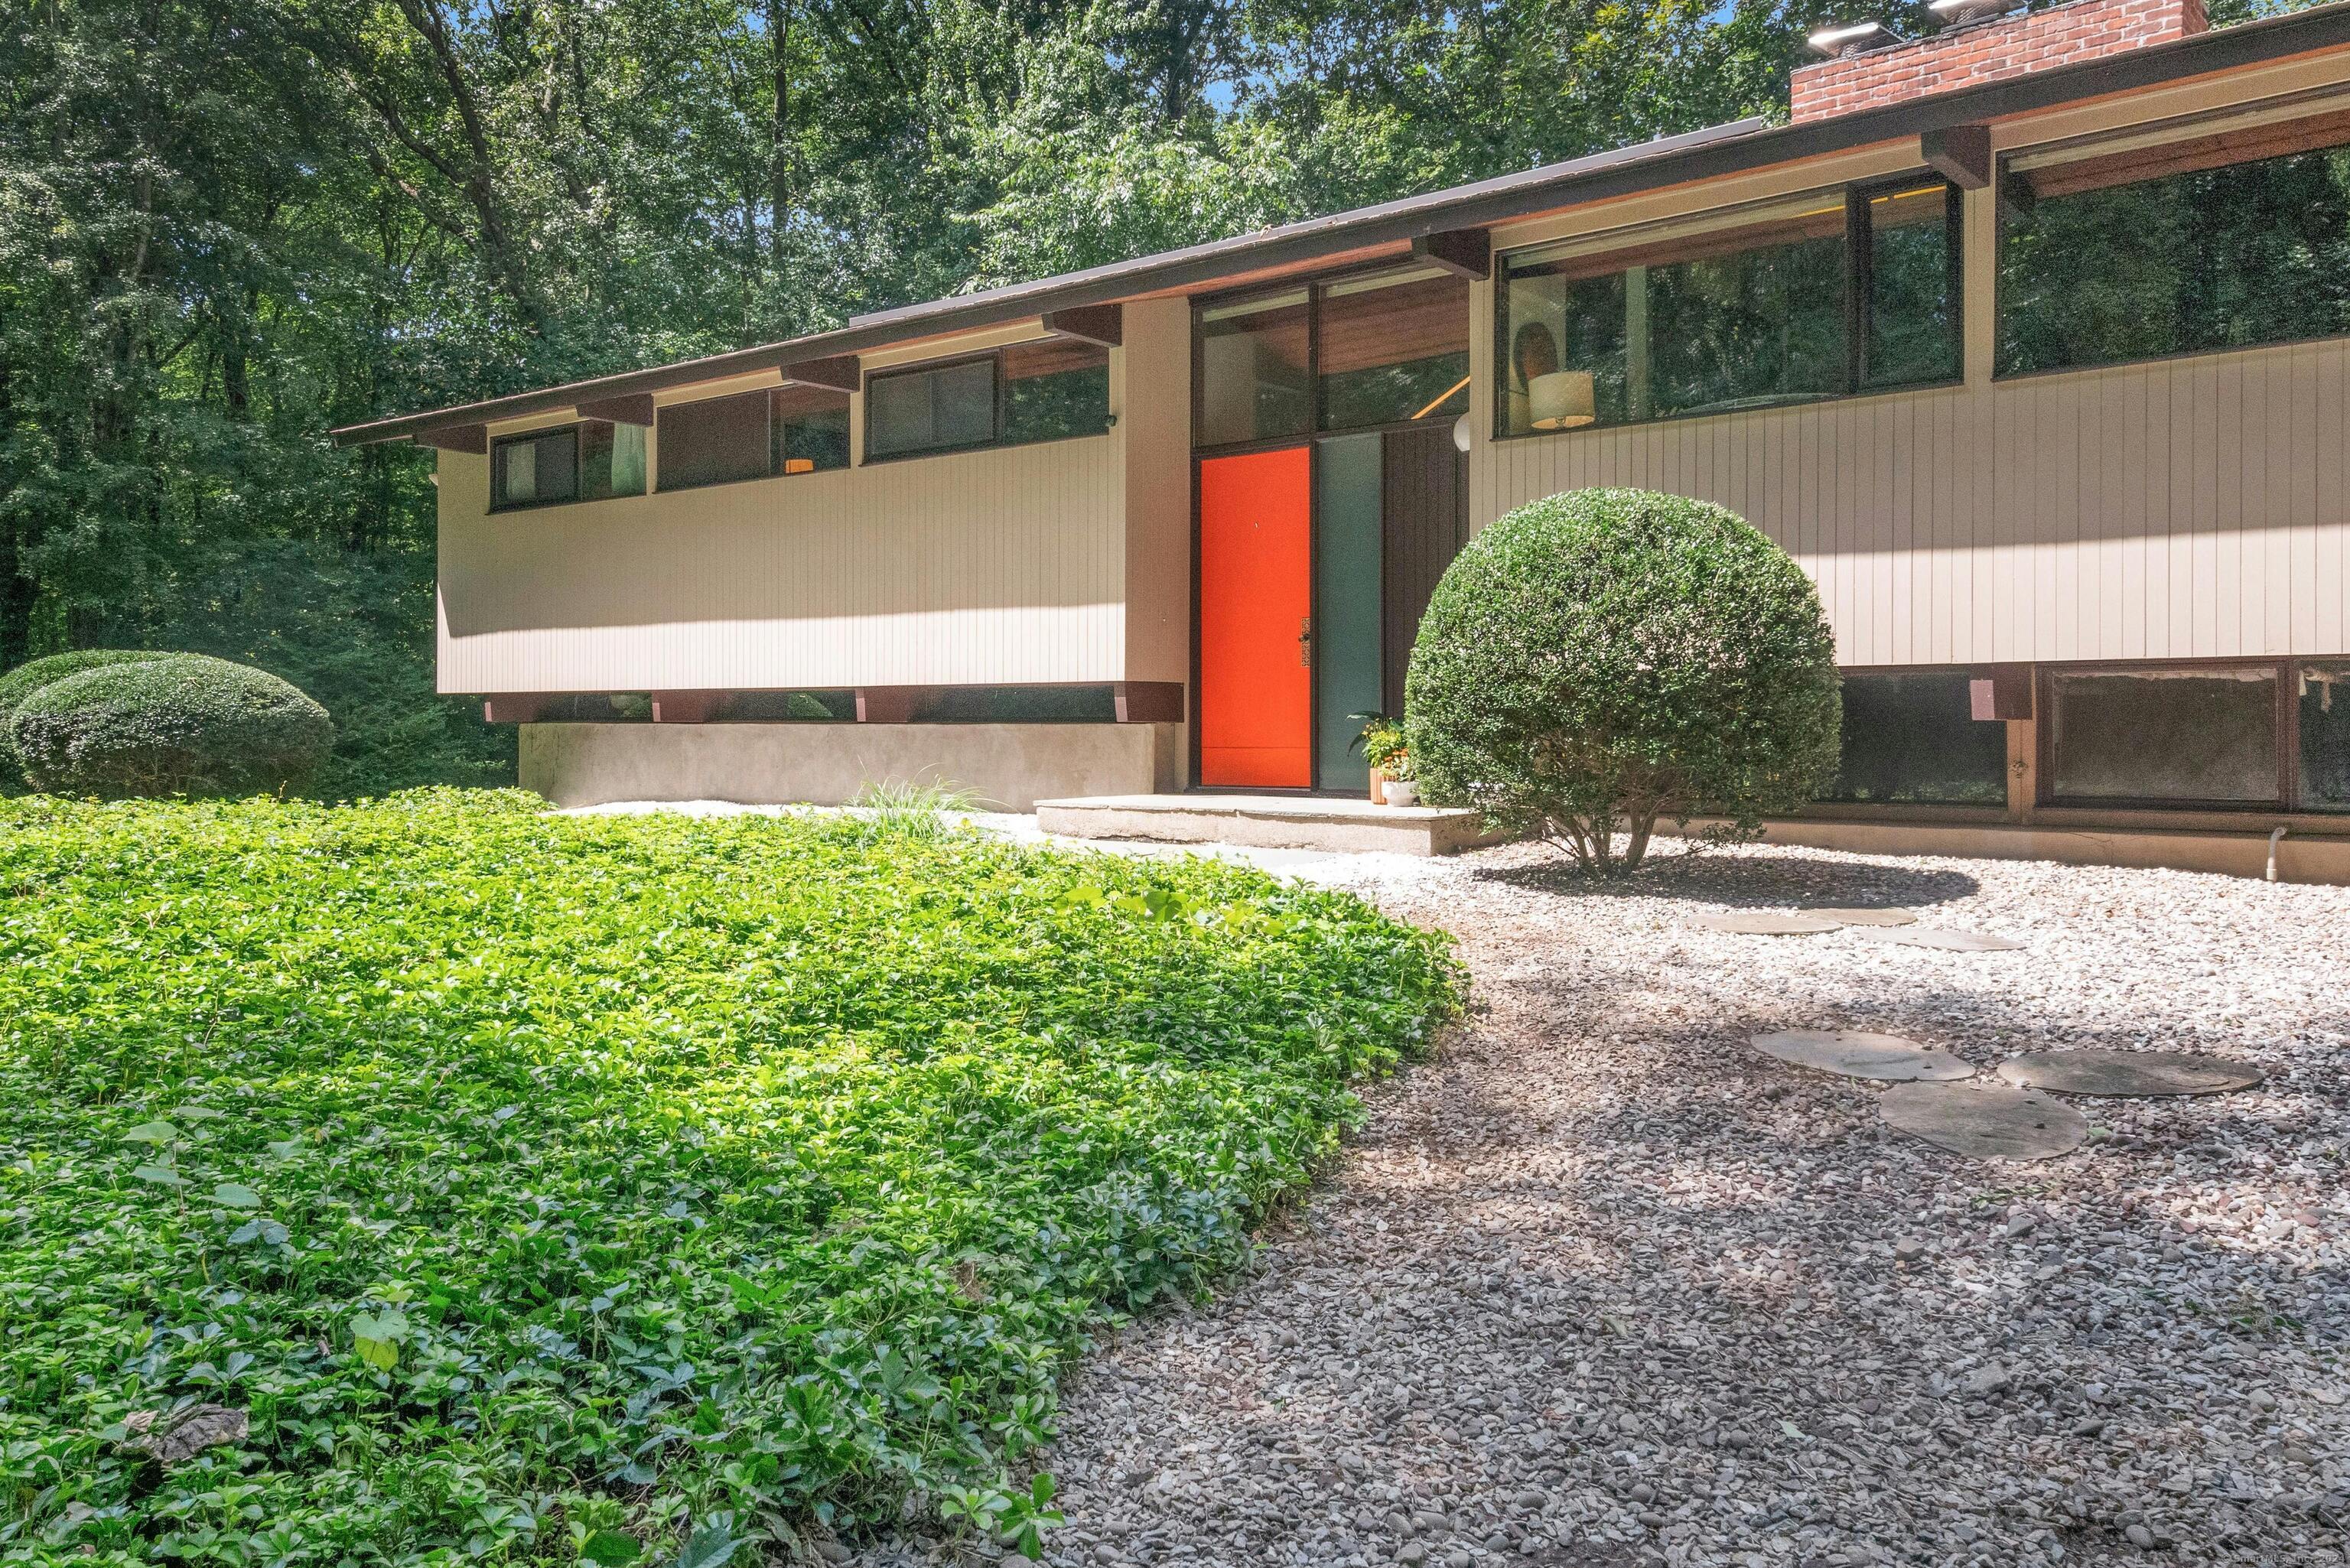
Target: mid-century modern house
[(2030, 340)]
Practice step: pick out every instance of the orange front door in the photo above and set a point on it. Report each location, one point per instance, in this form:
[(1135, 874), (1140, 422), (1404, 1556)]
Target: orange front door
[(1256, 573)]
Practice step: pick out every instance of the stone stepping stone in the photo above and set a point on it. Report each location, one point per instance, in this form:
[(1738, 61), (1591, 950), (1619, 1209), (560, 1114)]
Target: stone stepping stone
[(1948, 941), (1769, 923), (1867, 916), (1986, 1121), (1855, 1054), (2095, 1072)]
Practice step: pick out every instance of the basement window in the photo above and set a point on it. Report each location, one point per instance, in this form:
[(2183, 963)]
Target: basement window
[(2224, 241), (1911, 737), (2323, 701), (2187, 735), (1815, 298)]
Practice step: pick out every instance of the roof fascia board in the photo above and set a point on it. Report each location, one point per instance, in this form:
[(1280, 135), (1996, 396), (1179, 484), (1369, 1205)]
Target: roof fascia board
[(1739, 147)]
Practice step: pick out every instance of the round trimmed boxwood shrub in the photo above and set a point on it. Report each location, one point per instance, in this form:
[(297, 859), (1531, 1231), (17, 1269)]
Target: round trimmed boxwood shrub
[(35, 674), (1596, 661), (178, 723)]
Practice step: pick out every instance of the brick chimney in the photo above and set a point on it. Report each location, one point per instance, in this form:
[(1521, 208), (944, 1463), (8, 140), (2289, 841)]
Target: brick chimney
[(1987, 50)]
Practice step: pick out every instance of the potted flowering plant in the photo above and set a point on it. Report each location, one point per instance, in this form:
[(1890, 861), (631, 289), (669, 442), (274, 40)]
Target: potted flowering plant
[(1382, 745)]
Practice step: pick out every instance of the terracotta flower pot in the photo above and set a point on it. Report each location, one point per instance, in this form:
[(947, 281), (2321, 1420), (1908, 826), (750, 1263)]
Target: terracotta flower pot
[(1378, 786)]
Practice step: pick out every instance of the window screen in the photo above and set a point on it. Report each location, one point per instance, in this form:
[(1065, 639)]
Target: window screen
[(2323, 700), (1910, 736), (1392, 348), (938, 408), (1053, 388), (715, 440), (536, 470), (1252, 377), (2180, 736), (2179, 249), (811, 429)]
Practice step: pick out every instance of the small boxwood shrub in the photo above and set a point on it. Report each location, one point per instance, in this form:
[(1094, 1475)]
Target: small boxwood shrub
[(179, 723), (35, 674), (1605, 658)]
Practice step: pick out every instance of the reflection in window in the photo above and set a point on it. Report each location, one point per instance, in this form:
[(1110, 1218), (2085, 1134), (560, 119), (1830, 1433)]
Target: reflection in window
[(715, 440), (1252, 377), (2174, 250), (540, 469), (1392, 348), (1734, 317), (612, 460), (1913, 287), (2182, 736), (1911, 736), (1057, 387), (2325, 705), (811, 429), (938, 408)]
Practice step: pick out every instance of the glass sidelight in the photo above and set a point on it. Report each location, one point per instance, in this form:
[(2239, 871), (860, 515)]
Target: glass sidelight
[(1347, 678)]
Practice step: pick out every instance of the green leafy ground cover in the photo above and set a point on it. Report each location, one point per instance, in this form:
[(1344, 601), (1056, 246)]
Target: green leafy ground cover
[(566, 1189)]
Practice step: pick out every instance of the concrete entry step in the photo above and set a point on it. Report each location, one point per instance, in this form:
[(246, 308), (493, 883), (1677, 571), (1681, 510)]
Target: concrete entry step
[(1267, 822)]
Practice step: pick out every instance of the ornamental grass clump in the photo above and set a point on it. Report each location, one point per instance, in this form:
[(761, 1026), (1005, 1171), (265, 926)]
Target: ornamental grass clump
[(174, 723), (1602, 659), (439, 1180)]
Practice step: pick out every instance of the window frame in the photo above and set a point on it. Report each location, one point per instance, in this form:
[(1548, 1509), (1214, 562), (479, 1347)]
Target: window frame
[(498, 446), (658, 484), (2285, 719), (2087, 150), (869, 458), (1858, 266), (1314, 288)]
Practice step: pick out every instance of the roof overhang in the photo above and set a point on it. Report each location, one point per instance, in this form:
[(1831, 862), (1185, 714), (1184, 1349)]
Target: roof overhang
[(1420, 224)]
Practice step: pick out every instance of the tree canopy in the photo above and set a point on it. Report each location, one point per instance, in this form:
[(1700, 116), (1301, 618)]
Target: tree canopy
[(227, 225)]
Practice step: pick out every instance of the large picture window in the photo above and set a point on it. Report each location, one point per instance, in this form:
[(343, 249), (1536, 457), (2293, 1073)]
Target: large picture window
[(1911, 737), (591, 460), (1392, 348), (1818, 297), (2190, 735), (2181, 248), (1253, 375), (1029, 392)]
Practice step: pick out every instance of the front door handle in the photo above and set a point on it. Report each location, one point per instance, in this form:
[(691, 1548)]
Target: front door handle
[(1306, 642)]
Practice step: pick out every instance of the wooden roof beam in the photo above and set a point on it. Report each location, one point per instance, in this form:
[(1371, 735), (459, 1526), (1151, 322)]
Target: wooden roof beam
[(1959, 153), (1468, 253), (1104, 326), (632, 411), (839, 373), (455, 438)]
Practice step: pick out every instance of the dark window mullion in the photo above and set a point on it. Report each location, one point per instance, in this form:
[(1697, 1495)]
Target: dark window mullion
[(1858, 242)]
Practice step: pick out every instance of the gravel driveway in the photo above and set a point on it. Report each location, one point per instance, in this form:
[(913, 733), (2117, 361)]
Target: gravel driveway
[(1601, 1286)]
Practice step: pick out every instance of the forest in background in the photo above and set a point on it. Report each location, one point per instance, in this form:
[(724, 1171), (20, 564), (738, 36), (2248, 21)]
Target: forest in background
[(229, 226)]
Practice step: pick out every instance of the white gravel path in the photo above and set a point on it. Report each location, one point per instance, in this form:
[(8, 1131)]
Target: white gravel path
[(1601, 1286)]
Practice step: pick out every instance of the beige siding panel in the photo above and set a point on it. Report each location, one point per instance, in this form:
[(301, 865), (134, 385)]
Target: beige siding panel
[(2196, 507), (993, 567)]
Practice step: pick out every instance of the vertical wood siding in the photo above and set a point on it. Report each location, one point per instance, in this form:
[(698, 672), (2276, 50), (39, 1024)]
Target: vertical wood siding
[(996, 567), (2193, 508)]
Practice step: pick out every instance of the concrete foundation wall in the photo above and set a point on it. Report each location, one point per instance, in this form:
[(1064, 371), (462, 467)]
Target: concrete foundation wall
[(2311, 858), (1009, 765)]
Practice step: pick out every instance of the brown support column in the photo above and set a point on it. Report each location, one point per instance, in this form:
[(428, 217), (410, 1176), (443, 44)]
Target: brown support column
[(1149, 702), (686, 707), (511, 708), (888, 704), (2022, 767)]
